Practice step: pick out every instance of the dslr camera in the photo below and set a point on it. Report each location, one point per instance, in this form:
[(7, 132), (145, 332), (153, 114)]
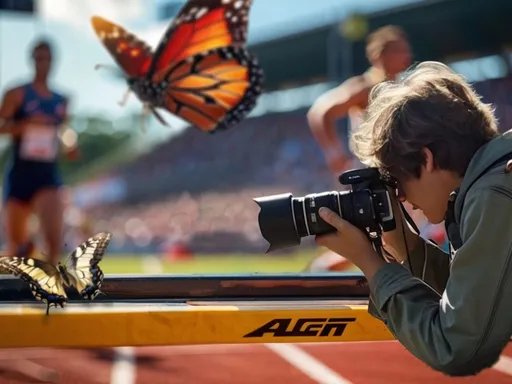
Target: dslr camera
[(284, 219)]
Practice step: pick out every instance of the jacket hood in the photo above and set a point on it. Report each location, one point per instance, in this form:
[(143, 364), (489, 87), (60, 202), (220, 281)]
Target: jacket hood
[(484, 158)]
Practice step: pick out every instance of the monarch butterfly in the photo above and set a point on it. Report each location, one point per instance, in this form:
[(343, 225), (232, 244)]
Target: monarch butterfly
[(200, 71), (81, 270)]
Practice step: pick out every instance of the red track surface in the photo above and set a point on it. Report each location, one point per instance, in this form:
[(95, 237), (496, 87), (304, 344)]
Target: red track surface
[(385, 362)]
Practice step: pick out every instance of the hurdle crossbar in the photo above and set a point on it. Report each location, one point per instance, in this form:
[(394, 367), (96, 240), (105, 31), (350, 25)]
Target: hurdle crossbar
[(194, 309), (186, 287)]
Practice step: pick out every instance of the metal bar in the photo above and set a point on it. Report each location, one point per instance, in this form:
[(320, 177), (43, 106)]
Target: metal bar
[(191, 287)]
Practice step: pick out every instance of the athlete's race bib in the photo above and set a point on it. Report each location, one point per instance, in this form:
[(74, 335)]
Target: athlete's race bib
[(39, 143)]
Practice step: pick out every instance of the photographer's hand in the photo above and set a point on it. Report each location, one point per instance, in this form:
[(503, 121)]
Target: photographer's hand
[(351, 243)]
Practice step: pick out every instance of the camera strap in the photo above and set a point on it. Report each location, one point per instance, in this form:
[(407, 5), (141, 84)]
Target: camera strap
[(451, 222), (409, 219)]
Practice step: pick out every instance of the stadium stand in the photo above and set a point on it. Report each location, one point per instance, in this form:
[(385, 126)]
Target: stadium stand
[(196, 184), (198, 188)]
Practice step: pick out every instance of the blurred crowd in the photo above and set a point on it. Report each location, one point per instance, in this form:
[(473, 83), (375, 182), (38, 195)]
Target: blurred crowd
[(198, 189)]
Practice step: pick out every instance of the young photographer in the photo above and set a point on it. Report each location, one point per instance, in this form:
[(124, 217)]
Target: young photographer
[(430, 132)]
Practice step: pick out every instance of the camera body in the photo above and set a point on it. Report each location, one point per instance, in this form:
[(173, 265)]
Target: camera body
[(284, 219)]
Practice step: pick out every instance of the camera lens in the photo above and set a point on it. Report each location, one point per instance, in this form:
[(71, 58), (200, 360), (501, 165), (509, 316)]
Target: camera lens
[(284, 220), (277, 221), (306, 212)]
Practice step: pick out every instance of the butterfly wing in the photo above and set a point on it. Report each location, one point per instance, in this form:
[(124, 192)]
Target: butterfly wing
[(209, 78), (130, 53), (44, 279), (212, 81), (82, 265), (213, 90), (200, 26)]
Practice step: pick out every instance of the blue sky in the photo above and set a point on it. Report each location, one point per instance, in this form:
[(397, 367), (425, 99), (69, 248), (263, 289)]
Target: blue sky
[(67, 23)]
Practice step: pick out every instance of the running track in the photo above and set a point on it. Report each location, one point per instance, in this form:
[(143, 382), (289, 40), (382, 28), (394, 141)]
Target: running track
[(328, 363)]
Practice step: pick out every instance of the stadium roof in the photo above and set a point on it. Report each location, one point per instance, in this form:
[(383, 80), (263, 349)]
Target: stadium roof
[(273, 19), (292, 17)]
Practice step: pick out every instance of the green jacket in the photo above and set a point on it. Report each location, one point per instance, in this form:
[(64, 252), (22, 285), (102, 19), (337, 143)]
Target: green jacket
[(456, 316)]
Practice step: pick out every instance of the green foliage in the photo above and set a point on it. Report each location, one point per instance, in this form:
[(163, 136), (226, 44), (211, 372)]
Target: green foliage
[(95, 147)]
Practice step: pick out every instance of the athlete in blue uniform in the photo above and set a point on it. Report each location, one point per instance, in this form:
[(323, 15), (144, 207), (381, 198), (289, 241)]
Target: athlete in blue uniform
[(35, 116)]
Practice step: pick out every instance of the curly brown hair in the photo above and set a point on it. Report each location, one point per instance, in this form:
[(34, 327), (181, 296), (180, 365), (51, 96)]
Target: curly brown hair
[(432, 107)]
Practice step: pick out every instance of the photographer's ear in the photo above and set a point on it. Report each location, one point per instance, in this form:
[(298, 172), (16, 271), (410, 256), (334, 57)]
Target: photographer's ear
[(430, 164)]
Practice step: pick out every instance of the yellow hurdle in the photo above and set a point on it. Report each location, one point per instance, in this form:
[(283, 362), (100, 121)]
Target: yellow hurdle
[(145, 310), (111, 325)]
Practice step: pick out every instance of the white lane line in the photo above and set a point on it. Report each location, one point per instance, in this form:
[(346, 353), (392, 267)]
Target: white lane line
[(306, 363), (124, 367), (504, 365)]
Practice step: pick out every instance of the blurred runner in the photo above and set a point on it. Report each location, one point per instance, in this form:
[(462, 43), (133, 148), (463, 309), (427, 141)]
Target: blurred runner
[(35, 117), (388, 52)]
